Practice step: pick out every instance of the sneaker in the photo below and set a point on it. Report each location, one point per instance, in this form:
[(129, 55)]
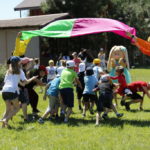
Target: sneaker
[(41, 121), (65, 120), (62, 115), (119, 115), (127, 105), (105, 116)]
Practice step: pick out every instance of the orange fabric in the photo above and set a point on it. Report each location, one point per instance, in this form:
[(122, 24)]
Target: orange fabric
[(143, 45)]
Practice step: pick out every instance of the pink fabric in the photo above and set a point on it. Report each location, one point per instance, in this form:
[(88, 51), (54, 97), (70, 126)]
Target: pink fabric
[(85, 26)]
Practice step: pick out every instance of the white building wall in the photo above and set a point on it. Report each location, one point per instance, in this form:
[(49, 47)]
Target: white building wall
[(7, 45)]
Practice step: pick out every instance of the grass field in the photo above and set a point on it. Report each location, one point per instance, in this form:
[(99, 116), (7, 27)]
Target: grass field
[(131, 132)]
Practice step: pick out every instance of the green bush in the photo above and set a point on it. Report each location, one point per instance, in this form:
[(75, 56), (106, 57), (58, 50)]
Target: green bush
[(2, 75)]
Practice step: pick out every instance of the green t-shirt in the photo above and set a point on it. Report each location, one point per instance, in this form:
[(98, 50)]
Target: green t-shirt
[(67, 78)]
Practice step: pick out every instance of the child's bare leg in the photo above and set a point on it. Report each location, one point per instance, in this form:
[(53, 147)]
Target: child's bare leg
[(47, 112), (98, 116), (24, 110), (12, 113), (115, 98), (68, 113), (115, 111), (85, 108)]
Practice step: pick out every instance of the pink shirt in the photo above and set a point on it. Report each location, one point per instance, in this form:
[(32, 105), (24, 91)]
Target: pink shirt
[(77, 62)]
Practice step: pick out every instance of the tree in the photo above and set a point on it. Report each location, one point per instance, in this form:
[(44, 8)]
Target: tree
[(135, 13)]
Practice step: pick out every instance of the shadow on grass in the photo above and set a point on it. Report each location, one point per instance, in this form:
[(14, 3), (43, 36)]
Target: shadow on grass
[(137, 110), (114, 122)]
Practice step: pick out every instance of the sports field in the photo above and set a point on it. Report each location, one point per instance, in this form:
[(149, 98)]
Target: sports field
[(131, 132)]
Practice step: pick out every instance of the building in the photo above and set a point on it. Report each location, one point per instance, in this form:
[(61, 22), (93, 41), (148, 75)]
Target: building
[(10, 28), (34, 7)]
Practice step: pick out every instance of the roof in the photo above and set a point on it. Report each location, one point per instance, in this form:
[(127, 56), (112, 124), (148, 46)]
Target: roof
[(29, 4), (33, 21)]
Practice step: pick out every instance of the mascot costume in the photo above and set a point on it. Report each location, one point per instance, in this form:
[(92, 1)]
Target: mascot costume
[(118, 56)]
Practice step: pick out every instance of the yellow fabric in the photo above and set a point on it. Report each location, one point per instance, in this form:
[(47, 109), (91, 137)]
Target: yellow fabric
[(20, 47)]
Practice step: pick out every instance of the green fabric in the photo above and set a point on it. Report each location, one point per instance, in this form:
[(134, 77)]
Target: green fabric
[(67, 78), (57, 29)]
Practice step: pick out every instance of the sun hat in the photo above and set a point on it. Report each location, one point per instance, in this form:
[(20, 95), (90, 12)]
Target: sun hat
[(70, 63)]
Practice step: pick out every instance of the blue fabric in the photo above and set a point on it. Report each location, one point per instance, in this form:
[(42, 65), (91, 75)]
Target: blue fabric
[(90, 83), (54, 87)]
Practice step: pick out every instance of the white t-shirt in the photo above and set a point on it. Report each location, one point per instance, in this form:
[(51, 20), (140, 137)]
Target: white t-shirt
[(97, 70), (60, 69), (11, 82), (51, 72)]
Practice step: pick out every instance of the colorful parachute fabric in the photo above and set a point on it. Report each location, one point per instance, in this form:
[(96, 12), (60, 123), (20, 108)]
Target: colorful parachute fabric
[(143, 45), (78, 27)]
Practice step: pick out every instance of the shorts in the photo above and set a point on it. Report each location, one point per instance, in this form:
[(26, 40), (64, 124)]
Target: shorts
[(53, 102), (135, 96), (9, 96), (105, 101), (89, 98), (24, 96), (79, 92), (67, 96)]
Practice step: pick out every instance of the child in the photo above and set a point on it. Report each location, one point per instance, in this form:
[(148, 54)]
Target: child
[(88, 95), (121, 80), (77, 61), (61, 67), (51, 91), (51, 70), (105, 98), (101, 56), (97, 68), (10, 91), (81, 79), (68, 76)]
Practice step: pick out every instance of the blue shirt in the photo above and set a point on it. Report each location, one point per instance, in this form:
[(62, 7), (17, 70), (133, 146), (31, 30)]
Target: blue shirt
[(90, 83), (54, 87)]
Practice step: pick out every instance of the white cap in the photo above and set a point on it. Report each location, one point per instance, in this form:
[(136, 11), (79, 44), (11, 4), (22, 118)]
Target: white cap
[(81, 67), (104, 78), (70, 63)]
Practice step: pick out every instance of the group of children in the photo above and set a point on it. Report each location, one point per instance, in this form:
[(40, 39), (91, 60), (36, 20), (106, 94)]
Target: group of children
[(88, 77)]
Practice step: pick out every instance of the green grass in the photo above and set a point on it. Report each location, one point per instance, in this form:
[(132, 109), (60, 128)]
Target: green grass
[(132, 132)]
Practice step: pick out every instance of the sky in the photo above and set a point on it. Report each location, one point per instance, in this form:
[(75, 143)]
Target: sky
[(7, 9)]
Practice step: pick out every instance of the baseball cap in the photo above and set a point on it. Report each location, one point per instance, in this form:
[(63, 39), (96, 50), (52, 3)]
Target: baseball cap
[(14, 59), (81, 67), (104, 78), (96, 61), (70, 63)]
